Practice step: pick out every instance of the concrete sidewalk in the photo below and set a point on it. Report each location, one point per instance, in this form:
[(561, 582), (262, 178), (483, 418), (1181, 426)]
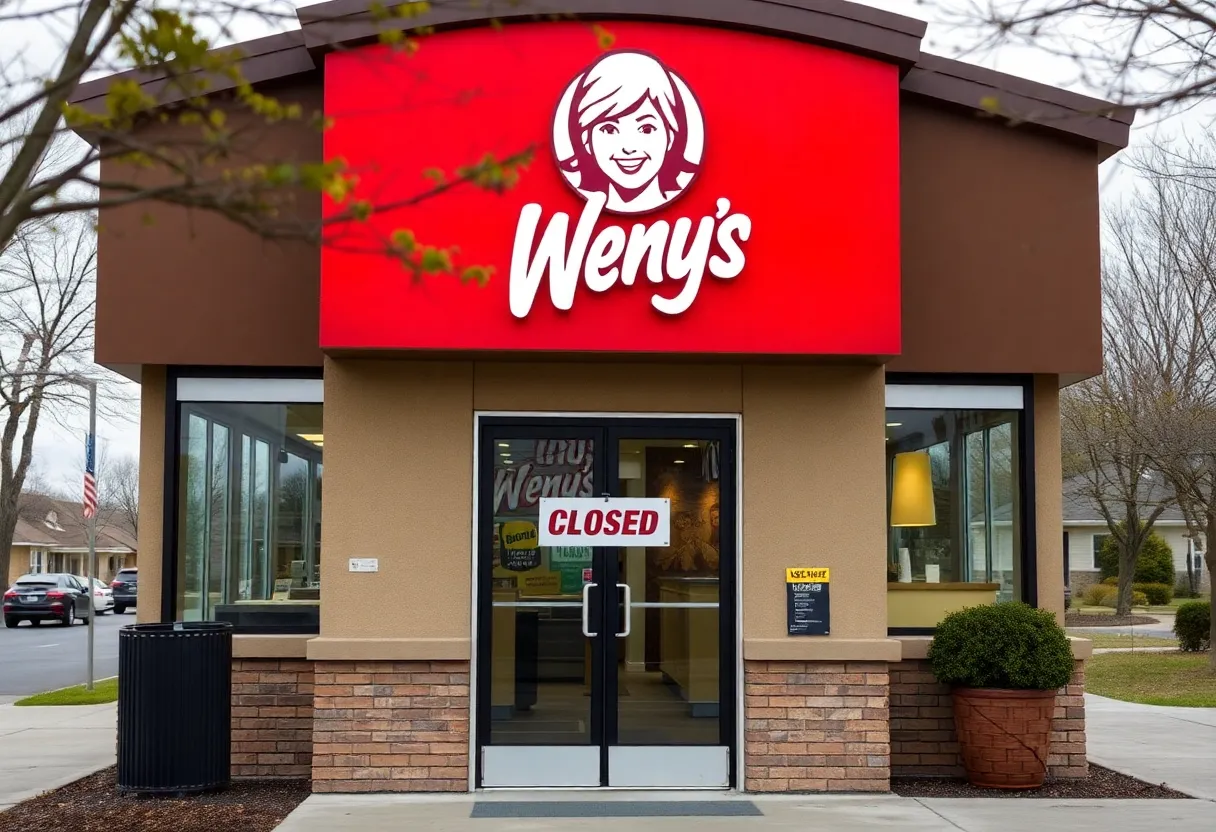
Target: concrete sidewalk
[(1175, 746), (382, 813), (44, 748)]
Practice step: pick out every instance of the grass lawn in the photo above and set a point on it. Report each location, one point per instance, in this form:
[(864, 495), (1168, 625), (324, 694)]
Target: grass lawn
[(102, 692), (1124, 640), (1145, 678)]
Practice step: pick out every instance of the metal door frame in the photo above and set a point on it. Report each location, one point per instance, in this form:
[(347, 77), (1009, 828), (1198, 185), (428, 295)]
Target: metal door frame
[(609, 428)]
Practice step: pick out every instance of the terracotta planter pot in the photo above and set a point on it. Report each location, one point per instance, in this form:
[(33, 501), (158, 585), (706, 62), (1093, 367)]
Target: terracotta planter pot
[(1004, 735)]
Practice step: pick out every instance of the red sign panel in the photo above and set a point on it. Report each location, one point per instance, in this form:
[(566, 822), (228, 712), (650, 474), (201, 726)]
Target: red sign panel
[(693, 190)]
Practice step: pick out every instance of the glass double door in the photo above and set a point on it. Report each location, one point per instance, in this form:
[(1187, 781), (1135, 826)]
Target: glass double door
[(605, 666)]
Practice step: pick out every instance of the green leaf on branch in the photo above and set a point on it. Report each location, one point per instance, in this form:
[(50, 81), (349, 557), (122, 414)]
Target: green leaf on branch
[(404, 243), (603, 37), (435, 260), (478, 274)]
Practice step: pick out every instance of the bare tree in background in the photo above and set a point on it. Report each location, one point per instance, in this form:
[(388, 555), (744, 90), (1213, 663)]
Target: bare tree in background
[(1146, 54), (46, 337), (1098, 422), (1166, 243), (118, 492)]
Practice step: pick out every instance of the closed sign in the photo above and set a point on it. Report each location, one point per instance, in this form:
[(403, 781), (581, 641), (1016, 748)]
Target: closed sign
[(616, 521)]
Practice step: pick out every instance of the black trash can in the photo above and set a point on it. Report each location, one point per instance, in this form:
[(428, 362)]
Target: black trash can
[(174, 707)]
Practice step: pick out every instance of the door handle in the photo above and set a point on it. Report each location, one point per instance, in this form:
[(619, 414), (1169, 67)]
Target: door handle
[(628, 610), (587, 611)]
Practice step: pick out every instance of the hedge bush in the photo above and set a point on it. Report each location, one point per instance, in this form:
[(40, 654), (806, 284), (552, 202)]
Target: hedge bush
[(1155, 565), (1007, 645), (1105, 595), (1158, 594), (1193, 626), (1099, 595)]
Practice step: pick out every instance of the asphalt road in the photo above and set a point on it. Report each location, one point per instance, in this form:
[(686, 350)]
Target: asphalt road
[(51, 656)]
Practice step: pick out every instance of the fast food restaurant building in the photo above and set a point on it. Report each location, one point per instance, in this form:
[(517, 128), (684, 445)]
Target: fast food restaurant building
[(772, 272)]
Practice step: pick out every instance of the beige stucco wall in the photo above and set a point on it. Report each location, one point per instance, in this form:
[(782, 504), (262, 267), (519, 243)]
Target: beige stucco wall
[(814, 495), (398, 469), (1048, 473), (398, 458), (609, 388), (398, 487), (151, 491)]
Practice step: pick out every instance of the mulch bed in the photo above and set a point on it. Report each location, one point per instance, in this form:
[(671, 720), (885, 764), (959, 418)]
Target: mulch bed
[(93, 804), (1101, 783), (1079, 620)]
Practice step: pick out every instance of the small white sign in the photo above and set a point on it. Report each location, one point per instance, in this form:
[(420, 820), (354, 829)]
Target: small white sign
[(364, 564), (598, 521)]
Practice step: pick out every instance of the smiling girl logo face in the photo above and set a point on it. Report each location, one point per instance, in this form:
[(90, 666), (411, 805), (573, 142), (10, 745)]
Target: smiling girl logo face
[(629, 128)]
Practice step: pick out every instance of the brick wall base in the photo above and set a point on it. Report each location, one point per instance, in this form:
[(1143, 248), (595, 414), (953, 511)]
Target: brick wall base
[(391, 727), (816, 726), (272, 717), (923, 741)]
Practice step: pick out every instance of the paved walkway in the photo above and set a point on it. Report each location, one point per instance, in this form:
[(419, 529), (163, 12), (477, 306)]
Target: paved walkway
[(1175, 746), (382, 813), (44, 748)]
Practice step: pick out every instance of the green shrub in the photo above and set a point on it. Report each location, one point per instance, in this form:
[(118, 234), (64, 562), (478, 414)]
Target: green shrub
[(1007, 645), (1139, 599), (1193, 626), (1183, 589), (1113, 580), (1155, 565), (1099, 595), (1157, 594)]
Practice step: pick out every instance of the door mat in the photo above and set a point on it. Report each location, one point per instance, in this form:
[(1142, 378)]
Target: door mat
[(616, 809)]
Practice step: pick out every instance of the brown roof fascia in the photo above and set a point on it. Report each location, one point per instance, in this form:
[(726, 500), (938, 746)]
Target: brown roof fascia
[(261, 60), (836, 23), (1019, 100)]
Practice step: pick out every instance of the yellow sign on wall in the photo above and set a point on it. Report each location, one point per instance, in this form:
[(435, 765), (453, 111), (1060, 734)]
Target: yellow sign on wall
[(519, 534), (815, 575)]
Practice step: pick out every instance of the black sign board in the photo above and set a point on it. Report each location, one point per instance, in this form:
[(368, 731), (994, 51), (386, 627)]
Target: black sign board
[(807, 602)]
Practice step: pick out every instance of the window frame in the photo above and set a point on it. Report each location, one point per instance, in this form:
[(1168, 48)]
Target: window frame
[(920, 391), (233, 385)]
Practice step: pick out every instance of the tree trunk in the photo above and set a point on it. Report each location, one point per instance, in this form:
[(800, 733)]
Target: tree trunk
[(1209, 557), (8, 527), (1127, 574)]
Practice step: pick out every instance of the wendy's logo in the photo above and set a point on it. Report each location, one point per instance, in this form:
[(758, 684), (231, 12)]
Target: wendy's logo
[(630, 128), (628, 137)]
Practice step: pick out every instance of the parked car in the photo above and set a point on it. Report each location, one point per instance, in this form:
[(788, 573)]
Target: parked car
[(51, 597), (126, 588), (103, 595)]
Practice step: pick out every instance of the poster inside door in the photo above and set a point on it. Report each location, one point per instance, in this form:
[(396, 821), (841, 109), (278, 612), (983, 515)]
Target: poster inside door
[(524, 471)]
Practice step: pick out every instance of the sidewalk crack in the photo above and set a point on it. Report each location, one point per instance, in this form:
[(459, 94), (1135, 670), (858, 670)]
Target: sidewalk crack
[(939, 814)]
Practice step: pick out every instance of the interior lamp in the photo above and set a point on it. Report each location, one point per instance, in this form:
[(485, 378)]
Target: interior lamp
[(911, 500), (912, 490)]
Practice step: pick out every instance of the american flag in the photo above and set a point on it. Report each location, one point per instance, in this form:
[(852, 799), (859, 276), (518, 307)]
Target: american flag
[(90, 480)]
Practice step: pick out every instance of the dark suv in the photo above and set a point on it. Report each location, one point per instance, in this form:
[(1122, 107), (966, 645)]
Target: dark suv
[(38, 598), (126, 587)]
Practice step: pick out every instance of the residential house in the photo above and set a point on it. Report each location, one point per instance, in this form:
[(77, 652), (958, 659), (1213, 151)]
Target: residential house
[(52, 536), (1085, 530)]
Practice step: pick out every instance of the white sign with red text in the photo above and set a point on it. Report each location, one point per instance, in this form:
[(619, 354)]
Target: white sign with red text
[(599, 521)]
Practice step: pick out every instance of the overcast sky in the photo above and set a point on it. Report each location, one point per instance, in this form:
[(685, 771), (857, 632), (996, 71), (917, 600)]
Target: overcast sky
[(58, 454)]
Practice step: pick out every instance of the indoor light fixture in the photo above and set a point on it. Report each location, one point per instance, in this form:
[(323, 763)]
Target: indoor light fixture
[(691, 445), (912, 490), (315, 438), (678, 461), (895, 424), (504, 445)]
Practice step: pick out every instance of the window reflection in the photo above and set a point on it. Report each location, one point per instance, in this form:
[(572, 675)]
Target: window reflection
[(249, 514), (974, 534)]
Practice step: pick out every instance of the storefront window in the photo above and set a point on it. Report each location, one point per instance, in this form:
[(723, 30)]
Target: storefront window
[(954, 513), (249, 515)]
